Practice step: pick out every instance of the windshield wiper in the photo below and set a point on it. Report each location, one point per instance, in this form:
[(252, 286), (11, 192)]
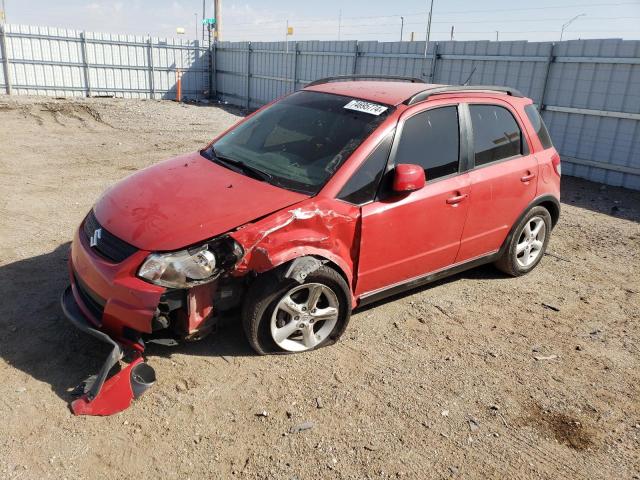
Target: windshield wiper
[(236, 164)]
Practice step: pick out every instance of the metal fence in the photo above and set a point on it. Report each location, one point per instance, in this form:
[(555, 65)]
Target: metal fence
[(588, 90), (61, 62)]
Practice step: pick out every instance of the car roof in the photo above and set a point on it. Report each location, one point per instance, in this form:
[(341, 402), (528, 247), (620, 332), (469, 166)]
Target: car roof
[(379, 91)]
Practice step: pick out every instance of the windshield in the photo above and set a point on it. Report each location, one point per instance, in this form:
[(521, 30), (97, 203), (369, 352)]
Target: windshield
[(299, 142)]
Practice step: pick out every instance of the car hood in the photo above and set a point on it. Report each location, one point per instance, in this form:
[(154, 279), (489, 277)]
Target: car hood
[(185, 200)]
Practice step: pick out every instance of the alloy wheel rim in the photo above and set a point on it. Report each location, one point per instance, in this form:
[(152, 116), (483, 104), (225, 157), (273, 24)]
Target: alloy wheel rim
[(304, 317), (531, 241)]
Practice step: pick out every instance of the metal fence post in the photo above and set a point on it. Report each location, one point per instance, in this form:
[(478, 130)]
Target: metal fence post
[(355, 59), (212, 72), (550, 60), (434, 60), (151, 69), (248, 75), (295, 66), (5, 60), (85, 63)]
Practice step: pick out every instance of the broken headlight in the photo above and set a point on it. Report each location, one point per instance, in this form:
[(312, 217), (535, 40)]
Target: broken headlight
[(193, 266)]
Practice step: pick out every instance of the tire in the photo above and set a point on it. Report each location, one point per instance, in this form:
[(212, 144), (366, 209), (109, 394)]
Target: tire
[(515, 261), (271, 304)]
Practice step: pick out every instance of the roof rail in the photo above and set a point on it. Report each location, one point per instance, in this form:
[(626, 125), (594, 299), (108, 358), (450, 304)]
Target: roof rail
[(346, 78), (425, 94)]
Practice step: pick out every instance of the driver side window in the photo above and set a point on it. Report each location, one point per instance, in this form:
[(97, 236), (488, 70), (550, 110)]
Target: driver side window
[(431, 139)]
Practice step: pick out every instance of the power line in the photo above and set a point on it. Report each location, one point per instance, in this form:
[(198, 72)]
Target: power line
[(495, 20), (502, 9), (447, 32), (274, 25), (458, 12)]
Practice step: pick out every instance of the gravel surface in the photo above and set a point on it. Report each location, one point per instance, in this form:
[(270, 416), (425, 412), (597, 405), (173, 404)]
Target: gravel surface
[(478, 376)]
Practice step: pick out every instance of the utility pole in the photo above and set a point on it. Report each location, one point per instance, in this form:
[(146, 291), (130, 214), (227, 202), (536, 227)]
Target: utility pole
[(413, 35), (569, 23), (204, 8), (426, 43), (339, 22), (217, 14), (401, 27), (451, 38), (497, 36)]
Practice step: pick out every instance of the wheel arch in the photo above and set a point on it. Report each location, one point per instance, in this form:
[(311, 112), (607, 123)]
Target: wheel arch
[(290, 263), (549, 202)]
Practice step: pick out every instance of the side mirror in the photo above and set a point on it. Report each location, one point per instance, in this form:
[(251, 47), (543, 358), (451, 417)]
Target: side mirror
[(408, 178)]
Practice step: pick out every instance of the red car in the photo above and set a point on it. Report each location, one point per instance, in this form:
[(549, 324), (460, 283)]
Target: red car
[(332, 197)]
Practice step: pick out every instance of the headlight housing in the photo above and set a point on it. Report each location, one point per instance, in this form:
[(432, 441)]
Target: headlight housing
[(193, 266)]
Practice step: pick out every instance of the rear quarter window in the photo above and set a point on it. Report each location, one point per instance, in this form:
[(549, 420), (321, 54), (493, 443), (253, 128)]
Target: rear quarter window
[(539, 126)]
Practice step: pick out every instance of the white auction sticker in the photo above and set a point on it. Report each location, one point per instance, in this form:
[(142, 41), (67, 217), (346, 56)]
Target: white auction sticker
[(366, 107)]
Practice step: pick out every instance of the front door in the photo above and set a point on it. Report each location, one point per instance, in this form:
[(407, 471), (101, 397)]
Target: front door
[(405, 236)]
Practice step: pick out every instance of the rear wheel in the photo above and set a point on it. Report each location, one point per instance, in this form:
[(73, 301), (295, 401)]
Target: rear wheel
[(289, 317), (528, 243)]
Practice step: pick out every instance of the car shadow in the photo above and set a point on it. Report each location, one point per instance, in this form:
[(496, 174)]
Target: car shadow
[(482, 272), (36, 339)]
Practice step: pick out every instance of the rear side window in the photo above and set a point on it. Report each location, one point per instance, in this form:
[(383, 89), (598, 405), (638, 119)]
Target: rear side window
[(496, 134), (538, 126), (431, 139), (361, 187)]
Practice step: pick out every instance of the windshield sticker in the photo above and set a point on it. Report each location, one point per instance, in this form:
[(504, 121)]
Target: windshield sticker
[(366, 107)]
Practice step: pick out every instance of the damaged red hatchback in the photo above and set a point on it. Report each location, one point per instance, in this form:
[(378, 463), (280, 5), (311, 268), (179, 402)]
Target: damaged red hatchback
[(334, 196)]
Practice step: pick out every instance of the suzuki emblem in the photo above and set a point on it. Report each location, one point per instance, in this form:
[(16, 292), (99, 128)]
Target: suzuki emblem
[(97, 233)]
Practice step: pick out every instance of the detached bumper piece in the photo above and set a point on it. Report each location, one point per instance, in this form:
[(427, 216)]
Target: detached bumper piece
[(104, 396)]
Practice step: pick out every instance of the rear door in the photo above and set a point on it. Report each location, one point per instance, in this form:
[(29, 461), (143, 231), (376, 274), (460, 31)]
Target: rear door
[(503, 177), (405, 236)]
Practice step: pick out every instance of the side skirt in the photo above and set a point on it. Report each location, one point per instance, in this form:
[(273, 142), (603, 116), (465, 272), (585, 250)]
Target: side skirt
[(376, 295)]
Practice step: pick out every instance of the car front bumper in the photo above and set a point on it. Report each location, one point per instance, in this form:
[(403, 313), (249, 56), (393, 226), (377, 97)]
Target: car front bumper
[(110, 295), (76, 317), (107, 301)]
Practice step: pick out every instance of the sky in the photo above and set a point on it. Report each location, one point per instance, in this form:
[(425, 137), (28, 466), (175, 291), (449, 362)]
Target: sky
[(337, 19)]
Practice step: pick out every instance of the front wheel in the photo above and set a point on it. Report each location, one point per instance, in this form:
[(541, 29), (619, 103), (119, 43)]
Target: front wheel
[(528, 243), (289, 317)]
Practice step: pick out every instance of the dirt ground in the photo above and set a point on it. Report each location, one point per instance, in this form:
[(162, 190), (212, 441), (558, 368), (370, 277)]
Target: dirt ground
[(478, 376)]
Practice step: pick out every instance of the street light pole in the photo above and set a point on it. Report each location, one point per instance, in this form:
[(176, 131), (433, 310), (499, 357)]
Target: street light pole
[(569, 23), (401, 27), (217, 14), (426, 43), (204, 8)]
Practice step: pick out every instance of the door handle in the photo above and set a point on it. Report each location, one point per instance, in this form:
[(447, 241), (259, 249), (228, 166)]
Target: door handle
[(457, 199), (528, 177)]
